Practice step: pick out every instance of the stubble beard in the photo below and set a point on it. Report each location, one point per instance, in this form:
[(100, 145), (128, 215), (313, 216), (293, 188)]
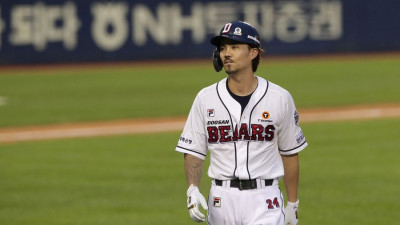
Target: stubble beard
[(230, 70)]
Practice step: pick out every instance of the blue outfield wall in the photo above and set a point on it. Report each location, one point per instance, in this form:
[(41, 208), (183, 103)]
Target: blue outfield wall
[(48, 31)]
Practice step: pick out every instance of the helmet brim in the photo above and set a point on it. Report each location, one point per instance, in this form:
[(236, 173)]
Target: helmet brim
[(217, 40)]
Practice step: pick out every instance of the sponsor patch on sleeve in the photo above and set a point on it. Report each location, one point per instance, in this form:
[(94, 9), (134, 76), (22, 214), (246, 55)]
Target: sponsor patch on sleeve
[(296, 118), (185, 140), (300, 137)]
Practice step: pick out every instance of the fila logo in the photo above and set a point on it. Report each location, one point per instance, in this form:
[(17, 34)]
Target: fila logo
[(217, 202), (227, 28), (210, 112)]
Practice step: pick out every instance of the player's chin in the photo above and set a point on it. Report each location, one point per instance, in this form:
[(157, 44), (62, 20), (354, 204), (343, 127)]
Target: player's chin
[(229, 68), (230, 71)]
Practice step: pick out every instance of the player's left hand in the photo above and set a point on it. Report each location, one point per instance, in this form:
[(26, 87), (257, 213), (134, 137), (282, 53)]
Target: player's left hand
[(291, 213), (194, 198)]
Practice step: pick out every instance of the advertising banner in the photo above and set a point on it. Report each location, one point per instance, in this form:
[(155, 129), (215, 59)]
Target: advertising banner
[(50, 31)]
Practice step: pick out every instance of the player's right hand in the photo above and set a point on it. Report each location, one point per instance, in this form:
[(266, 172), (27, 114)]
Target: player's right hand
[(194, 198)]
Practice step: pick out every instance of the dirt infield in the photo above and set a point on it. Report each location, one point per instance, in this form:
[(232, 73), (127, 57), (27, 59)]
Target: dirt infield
[(155, 125)]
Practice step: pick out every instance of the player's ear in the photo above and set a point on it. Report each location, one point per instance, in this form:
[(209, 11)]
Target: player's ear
[(257, 59), (217, 60), (254, 53)]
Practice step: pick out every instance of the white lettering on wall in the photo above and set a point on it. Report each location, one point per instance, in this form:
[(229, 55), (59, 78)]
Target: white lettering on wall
[(265, 11), (287, 21), (192, 22), (110, 27), (40, 24), (157, 26), (326, 22), (219, 13), (291, 23), (166, 26), (114, 24)]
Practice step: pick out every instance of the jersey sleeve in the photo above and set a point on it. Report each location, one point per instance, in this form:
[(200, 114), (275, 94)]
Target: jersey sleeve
[(193, 138), (291, 139)]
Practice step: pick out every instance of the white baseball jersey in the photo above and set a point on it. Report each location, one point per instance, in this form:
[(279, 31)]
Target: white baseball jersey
[(248, 145)]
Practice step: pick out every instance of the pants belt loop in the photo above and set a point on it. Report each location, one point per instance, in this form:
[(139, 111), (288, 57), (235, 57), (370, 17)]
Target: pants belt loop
[(226, 184), (261, 184)]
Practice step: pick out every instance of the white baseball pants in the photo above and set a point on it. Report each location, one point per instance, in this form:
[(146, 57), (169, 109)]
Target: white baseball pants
[(231, 206)]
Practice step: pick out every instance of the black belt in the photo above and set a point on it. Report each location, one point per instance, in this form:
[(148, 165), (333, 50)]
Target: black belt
[(245, 184)]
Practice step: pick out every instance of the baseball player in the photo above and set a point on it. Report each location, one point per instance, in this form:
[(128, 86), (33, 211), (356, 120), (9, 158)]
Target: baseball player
[(251, 128)]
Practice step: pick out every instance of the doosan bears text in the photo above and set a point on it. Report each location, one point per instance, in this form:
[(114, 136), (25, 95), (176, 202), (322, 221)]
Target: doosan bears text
[(224, 133)]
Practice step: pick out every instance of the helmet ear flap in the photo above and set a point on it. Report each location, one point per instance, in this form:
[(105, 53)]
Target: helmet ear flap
[(217, 61)]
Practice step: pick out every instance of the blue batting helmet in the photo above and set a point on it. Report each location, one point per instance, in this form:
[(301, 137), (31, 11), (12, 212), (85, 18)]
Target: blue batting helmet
[(238, 31)]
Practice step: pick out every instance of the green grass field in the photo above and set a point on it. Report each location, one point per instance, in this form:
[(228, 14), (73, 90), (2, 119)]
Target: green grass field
[(348, 176), (349, 172), (72, 95)]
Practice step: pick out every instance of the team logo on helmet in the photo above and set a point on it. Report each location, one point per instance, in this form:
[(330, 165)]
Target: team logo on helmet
[(265, 115), (226, 28), (238, 31)]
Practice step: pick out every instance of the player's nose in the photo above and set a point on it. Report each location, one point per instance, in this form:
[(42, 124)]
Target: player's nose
[(227, 54), (229, 51)]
